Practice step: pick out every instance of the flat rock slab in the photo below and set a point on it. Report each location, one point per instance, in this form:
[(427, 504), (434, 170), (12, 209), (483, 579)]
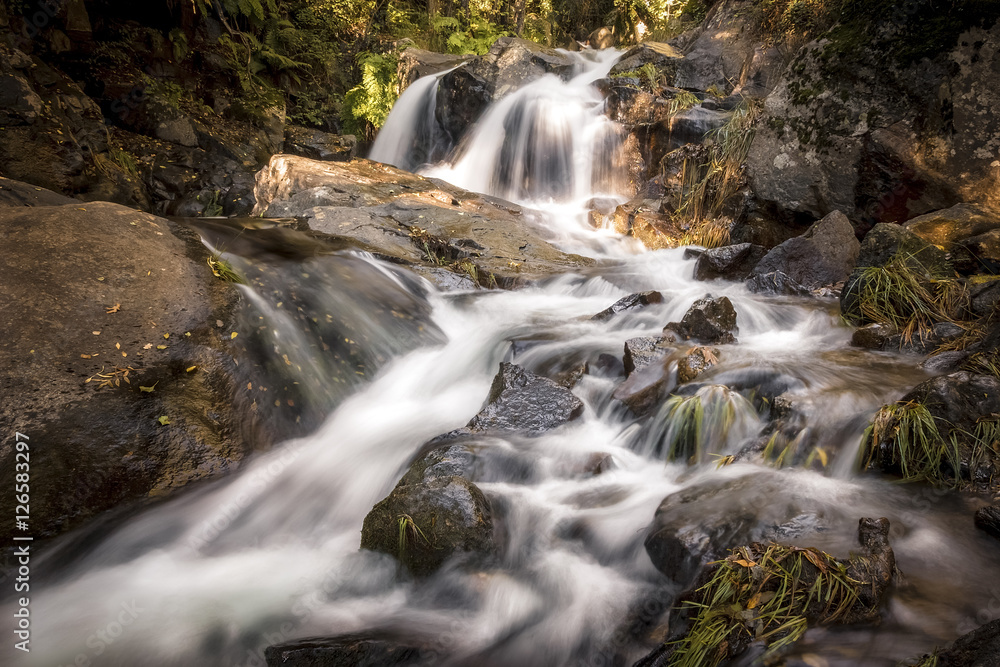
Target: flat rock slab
[(413, 219)]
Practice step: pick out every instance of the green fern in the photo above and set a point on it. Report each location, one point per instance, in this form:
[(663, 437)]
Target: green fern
[(367, 105)]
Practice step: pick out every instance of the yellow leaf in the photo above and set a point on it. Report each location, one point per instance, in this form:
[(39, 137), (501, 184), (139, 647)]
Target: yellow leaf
[(85, 356), (816, 560), (745, 563), (191, 368), (753, 601), (118, 346), (147, 346), (148, 390), (166, 335), (113, 309), (96, 333), (161, 347), (233, 335), (163, 420)]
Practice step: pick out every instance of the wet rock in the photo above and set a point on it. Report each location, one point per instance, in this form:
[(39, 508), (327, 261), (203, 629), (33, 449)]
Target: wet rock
[(412, 219), (945, 362), (872, 336), (641, 352), (700, 524), (988, 520), (880, 246), (979, 648), (776, 282), (665, 58), (984, 251), (949, 226), (318, 145), (825, 254), (415, 63), (527, 403), (16, 193), (101, 276), (732, 262), (874, 567), (426, 524), (696, 362), (630, 302), (709, 320), (984, 295), (959, 403), (643, 389), (691, 126), (602, 38), (925, 342), (368, 650)]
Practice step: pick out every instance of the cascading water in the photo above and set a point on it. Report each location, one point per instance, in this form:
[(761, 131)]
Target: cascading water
[(271, 554), (411, 136)]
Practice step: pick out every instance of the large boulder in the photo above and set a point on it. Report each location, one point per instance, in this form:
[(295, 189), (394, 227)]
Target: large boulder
[(523, 402), (415, 63), (709, 320), (824, 255), (114, 301), (628, 303), (977, 648), (969, 233), (874, 119), (418, 221)]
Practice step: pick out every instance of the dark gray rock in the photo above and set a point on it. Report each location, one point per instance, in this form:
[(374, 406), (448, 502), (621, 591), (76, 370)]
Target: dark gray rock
[(16, 193), (731, 262), (924, 342), (646, 386), (775, 283), (415, 63), (823, 255), (988, 520), (945, 362), (630, 302), (641, 352), (984, 296), (709, 320), (523, 402), (318, 145), (368, 650), (979, 648), (872, 336), (427, 523)]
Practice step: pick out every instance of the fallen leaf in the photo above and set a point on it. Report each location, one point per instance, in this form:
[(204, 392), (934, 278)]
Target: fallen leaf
[(149, 390), (85, 356), (147, 346), (124, 354), (118, 346), (191, 368), (816, 560), (187, 333), (96, 333), (234, 335), (219, 323), (114, 309), (166, 335), (249, 386), (745, 563), (163, 420), (161, 347)]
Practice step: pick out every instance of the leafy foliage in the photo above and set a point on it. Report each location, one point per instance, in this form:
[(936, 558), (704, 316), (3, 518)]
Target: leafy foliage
[(472, 34), (367, 105)]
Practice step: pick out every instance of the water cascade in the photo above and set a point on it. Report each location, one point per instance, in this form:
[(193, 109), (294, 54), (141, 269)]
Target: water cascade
[(271, 554)]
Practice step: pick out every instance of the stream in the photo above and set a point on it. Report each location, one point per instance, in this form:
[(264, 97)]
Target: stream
[(268, 555)]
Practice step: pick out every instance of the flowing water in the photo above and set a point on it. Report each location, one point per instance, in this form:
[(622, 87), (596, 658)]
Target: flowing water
[(271, 554)]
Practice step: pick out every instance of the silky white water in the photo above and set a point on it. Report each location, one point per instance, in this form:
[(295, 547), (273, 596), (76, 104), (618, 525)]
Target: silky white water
[(271, 554)]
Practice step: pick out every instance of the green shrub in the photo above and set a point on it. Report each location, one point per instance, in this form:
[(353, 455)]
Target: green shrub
[(472, 34), (367, 105)]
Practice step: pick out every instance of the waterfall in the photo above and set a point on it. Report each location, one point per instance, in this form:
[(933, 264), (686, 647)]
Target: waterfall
[(271, 554), (411, 136)]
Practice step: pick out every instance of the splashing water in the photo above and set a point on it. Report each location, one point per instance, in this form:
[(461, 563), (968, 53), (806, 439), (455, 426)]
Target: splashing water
[(271, 554)]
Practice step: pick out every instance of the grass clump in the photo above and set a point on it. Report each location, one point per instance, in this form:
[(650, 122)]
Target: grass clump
[(699, 425), (904, 436), (408, 530), (223, 270), (767, 593), (707, 187), (905, 293)]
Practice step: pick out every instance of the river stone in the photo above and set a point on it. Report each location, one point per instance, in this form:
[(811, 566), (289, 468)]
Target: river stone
[(440, 518), (979, 648), (872, 336), (523, 402), (318, 145), (776, 282), (958, 402), (645, 387), (641, 352), (365, 650), (988, 520), (16, 193), (696, 362), (709, 320), (731, 262), (630, 302), (823, 255), (949, 226)]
